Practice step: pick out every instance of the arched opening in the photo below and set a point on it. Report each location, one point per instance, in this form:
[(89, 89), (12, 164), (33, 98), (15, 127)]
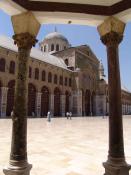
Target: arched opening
[(87, 102), (31, 99), (44, 48), (2, 65), (52, 47), (49, 77), (12, 67), (66, 62), (36, 73), (10, 97), (43, 75), (56, 102), (55, 79), (61, 80), (44, 101), (57, 47), (67, 103)]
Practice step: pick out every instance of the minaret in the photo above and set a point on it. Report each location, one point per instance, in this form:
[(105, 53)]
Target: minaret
[(101, 70)]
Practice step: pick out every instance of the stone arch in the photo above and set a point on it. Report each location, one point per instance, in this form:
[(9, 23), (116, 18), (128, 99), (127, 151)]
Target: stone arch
[(87, 102), (31, 99), (57, 94), (10, 97), (44, 101)]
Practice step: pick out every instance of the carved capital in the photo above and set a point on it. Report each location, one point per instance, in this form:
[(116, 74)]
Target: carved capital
[(112, 39), (24, 40)]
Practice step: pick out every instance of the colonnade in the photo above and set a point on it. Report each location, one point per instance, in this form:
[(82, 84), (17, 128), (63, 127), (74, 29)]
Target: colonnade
[(111, 32)]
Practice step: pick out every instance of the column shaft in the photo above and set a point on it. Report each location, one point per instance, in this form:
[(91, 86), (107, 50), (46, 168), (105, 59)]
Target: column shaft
[(116, 146)]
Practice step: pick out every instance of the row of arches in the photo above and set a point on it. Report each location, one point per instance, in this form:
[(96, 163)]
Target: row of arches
[(3, 66), (32, 98)]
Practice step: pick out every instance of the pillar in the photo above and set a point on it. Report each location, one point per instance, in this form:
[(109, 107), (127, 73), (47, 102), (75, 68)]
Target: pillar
[(63, 105), (111, 32), (26, 28), (52, 103), (38, 104), (4, 91)]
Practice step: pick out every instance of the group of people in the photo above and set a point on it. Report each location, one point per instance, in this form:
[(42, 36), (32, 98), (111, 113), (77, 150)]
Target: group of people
[(68, 115)]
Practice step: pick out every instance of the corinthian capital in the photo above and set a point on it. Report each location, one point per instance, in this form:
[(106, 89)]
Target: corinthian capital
[(24, 40)]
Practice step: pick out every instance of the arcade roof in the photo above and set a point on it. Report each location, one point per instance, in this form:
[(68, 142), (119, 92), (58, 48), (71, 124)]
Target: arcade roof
[(86, 12)]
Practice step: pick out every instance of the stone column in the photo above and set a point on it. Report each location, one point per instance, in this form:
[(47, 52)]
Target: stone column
[(26, 28), (38, 104), (63, 105), (111, 32), (4, 91), (52, 104)]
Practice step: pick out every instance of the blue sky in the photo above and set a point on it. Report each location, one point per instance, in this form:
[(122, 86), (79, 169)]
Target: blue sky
[(78, 35)]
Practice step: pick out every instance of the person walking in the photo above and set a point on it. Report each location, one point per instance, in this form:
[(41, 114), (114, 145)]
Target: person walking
[(70, 114), (67, 115), (49, 116)]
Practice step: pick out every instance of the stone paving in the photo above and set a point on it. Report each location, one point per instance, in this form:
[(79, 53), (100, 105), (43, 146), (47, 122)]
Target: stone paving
[(65, 147)]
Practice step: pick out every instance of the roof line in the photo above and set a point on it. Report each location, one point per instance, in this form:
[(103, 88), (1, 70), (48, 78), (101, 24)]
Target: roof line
[(75, 8)]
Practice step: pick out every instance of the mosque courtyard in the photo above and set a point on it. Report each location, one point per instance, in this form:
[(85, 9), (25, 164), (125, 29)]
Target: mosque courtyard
[(65, 147)]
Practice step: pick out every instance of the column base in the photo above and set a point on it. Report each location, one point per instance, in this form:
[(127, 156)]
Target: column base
[(17, 168), (116, 166)]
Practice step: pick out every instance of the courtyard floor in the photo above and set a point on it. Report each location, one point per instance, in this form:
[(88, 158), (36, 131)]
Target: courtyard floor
[(65, 147)]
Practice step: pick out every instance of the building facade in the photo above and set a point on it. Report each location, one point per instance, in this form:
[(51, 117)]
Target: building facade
[(61, 78)]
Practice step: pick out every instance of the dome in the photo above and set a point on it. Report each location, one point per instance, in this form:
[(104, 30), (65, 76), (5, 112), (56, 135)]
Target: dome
[(54, 35)]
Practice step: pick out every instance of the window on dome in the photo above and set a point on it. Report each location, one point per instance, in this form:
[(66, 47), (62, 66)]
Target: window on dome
[(45, 48), (52, 47), (66, 62), (57, 47)]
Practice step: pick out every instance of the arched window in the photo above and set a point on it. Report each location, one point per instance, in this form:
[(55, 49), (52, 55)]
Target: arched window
[(43, 75), (36, 73), (66, 62), (12, 67), (70, 82), (61, 80), (52, 47), (44, 48), (30, 72), (2, 65), (57, 47), (49, 77), (55, 79), (65, 81)]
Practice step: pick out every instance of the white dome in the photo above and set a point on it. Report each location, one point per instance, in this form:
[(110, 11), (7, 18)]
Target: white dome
[(54, 35)]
